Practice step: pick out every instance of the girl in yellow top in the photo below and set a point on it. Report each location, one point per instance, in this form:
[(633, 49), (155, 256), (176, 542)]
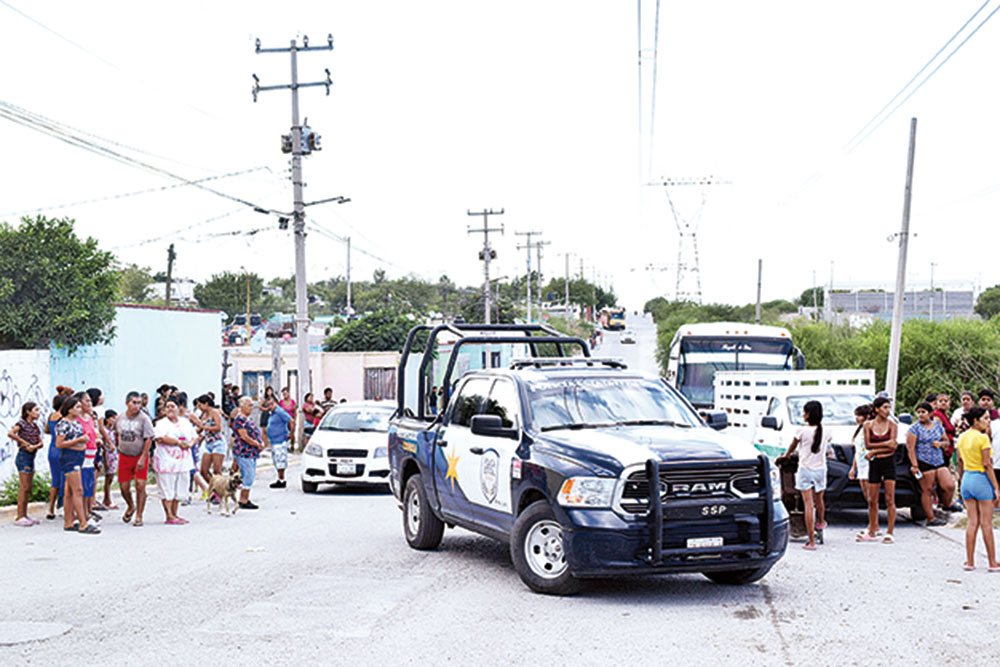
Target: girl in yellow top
[(979, 485)]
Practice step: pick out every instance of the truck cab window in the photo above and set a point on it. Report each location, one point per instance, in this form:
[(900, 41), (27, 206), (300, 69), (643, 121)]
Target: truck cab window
[(504, 403), (468, 401)]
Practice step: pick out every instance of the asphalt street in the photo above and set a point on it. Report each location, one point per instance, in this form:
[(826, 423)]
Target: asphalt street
[(329, 579)]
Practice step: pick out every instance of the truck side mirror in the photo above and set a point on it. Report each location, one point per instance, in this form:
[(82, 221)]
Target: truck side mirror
[(906, 418), (492, 426), (717, 420), (769, 422)]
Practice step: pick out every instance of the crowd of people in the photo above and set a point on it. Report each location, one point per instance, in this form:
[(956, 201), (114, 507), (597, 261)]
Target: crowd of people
[(946, 450), (184, 447)]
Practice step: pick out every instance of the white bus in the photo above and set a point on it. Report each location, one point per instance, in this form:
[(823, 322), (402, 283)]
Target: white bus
[(699, 350)]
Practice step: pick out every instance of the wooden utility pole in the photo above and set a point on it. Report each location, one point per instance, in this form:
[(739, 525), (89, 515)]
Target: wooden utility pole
[(897, 299)]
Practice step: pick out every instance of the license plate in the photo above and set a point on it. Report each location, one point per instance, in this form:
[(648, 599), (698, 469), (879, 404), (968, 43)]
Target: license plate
[(346, 469), (703, 542)]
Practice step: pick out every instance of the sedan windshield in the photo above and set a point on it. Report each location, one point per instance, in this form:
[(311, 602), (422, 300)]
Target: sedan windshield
[(837, 408), (598, 402), (357, 419)]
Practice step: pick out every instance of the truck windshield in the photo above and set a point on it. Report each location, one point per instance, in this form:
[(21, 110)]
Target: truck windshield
[(837, 408), (597, 402), (701, 357), (355, 419)]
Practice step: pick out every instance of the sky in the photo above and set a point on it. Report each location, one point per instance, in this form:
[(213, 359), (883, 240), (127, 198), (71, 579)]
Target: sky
[(442, 107)]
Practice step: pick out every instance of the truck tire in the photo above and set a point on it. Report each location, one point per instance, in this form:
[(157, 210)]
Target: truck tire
[(422, 529), (536, 547), (309, 487), (738, 577)]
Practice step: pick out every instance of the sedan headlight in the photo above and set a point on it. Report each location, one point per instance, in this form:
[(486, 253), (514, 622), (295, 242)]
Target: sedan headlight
[(381, 452), (313, 449), (587, 492), (775, 482)]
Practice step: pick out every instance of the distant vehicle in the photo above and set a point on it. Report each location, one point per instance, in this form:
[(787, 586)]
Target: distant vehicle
[(699, 350), (350, 446), (628, 337), (240, 320), (612, 319)]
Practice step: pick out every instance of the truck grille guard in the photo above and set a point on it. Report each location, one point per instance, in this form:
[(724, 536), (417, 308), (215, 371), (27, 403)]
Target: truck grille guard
[(655, 554)]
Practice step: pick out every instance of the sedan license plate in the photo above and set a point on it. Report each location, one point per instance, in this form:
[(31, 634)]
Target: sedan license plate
[(346, 469), (703, 542)]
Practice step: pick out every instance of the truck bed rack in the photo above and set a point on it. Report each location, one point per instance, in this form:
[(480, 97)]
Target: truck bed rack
[(540, 362), (473, 334)]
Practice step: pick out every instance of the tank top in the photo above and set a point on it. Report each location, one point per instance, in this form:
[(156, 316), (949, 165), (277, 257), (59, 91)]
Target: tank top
[(880, 438), (91, 433), (211, 436), (53, 450)]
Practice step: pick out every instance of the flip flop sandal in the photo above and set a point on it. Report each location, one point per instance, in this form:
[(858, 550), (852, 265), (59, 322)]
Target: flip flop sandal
[(75, 526), (90, 530), (888, 539), (128, 516), (809, 547), (50, 517), (993, 569), (137, 523), (967, 567), (865, 537)]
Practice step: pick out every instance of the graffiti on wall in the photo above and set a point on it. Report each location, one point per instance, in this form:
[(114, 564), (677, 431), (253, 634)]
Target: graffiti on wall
[(19, 383)]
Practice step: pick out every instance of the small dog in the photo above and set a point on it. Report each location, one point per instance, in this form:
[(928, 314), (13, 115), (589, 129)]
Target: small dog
[(225, 487)]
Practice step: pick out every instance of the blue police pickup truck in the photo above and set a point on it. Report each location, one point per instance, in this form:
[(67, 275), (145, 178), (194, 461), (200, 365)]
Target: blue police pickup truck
[(555, 454)]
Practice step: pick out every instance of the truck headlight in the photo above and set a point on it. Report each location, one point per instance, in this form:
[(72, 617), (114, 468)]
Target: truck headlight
[(587, 492), (775, 482), (381, 452), (313, 449)]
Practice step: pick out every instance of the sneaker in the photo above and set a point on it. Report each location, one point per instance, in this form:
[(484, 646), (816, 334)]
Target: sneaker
[(248, 506), (278, 484)]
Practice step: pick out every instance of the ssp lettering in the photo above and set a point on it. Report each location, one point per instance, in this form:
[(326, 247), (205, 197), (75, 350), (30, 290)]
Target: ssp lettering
[(713, 510)]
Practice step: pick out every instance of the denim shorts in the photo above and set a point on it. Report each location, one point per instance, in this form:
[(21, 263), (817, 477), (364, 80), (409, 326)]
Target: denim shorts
[(87, 478), (279, 454), (25, 461), (71, 460), (810, 479), (217, 446), (976, 486), (248, 469)]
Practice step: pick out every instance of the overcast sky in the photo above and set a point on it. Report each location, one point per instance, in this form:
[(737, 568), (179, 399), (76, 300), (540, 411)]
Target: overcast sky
[(532, 106)]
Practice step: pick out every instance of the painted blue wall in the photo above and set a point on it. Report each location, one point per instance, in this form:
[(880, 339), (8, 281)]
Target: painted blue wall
[(152, 346)]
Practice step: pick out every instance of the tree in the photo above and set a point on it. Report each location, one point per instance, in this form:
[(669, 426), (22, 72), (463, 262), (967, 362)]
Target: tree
[(988, 303), (381, 331), (806, 298), (134, 283), (227, 292), (54, 286)]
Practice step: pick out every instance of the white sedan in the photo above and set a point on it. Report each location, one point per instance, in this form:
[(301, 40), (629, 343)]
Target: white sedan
[(628, 337), (350, 446)]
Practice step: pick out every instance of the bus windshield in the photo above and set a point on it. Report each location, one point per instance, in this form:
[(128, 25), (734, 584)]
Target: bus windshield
[(701, 357)]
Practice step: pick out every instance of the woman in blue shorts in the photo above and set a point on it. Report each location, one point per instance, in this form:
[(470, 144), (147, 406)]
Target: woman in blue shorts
[(213, 443), (56, 490), (72, 443), (979, 485)]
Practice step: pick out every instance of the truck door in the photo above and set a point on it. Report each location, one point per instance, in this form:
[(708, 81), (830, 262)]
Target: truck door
[(768, 440), (456, 474), (489, 460)]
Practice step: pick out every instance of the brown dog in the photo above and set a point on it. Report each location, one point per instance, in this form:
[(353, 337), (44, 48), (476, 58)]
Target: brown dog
[(225, 487)]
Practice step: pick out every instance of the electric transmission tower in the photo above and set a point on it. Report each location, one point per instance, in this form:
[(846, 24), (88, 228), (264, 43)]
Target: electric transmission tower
[(687, 286)]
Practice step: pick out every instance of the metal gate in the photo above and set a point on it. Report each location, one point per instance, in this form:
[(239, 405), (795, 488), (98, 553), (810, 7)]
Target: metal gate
[(380, 383)]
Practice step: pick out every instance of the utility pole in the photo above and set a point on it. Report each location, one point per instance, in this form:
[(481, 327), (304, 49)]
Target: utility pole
[(528, 246), (897, 299), (760, 271), (301, 302), (566, 303), (538, 253), (486, 254), (350, 310), (171, 256), (933, 264), (247, 274)]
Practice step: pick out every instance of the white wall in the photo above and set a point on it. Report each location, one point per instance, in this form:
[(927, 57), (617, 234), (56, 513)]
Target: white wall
[(24, 376)]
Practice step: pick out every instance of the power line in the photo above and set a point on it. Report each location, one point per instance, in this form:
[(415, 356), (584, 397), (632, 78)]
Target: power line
[(134, 193), (179, 231), (850, 148)]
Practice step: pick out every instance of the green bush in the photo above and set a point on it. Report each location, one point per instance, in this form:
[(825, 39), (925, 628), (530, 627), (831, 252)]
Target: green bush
[(39, 489)]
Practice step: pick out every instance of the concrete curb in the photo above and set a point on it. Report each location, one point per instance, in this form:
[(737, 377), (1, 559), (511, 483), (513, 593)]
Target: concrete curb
[(8, 513)]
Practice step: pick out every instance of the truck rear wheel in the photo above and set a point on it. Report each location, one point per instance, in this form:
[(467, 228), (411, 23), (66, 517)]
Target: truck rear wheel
[(738, 577), (423, 530), (537, 549)]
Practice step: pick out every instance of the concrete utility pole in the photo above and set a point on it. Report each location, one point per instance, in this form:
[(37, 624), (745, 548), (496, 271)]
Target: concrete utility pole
[(350, 309), (760, 271), (538, 254), (301, 300), (527, 288), (897, 299), (566, 304), (933, 264), (171, 256), (486, 254)]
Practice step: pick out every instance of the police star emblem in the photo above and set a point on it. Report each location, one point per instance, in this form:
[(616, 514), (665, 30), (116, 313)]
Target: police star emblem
[(452, 473)]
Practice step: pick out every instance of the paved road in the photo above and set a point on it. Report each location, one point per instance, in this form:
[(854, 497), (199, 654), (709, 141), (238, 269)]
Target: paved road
[(329, 579), (641, 355)]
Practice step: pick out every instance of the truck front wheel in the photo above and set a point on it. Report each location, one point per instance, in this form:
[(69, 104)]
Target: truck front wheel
[(423, 530), (738, 577), (537, 549)]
